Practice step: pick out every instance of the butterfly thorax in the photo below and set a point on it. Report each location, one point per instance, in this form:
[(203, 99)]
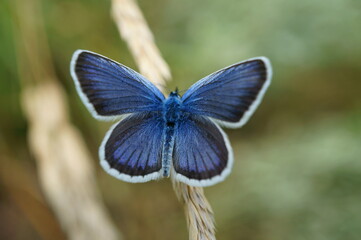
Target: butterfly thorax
[(172, 107), (171, 115)]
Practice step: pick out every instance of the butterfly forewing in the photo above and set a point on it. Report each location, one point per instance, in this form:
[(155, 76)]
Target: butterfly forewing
[(202, 155), (132, 149), (232, 94), (110, 89)]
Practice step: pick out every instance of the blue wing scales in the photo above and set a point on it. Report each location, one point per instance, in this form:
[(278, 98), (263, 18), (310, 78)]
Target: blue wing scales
[(202, 155), (132, 149), (232, 94), (109, 89)]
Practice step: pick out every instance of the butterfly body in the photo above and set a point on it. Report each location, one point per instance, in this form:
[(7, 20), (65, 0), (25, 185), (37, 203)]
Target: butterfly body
[(171, 115), (172, 111), (178, 135)]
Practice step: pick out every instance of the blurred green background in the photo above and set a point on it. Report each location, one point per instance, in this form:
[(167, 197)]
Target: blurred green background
[(297, 171)]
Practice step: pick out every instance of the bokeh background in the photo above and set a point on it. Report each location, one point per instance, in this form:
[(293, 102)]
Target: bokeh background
[(297, 171)]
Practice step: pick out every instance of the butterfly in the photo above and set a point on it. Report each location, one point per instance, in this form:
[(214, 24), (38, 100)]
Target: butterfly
[(157, 136)]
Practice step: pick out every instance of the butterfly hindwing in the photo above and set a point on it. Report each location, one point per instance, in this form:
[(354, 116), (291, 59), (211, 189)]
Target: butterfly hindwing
[(202, 155), (132, 149), (110, 89), (230, 95)]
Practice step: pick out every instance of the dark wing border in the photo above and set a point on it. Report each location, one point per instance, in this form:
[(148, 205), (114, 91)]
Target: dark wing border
[(114, 172), (216, 179), (86, 100), (247, 114)]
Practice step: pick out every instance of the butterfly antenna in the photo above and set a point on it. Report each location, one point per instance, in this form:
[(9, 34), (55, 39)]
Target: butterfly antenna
[(180, 91)]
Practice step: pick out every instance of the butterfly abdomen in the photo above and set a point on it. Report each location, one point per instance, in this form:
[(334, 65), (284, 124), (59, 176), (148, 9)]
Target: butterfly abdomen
[(167, 149), (171, 116)]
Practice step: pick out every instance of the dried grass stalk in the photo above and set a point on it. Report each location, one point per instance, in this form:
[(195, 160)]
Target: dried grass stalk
[(64, 164), (198, 211), (136, 33), (65, 172)]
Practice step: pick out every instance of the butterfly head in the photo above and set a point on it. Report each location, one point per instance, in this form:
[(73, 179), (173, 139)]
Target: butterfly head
[(174, 93)]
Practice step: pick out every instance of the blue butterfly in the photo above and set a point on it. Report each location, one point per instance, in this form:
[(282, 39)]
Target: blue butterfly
[(178, 135)]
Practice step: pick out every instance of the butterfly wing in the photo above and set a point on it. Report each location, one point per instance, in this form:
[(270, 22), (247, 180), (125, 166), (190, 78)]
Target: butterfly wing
[(132, 148), (231, 95), (202, 155), (109, 89)]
